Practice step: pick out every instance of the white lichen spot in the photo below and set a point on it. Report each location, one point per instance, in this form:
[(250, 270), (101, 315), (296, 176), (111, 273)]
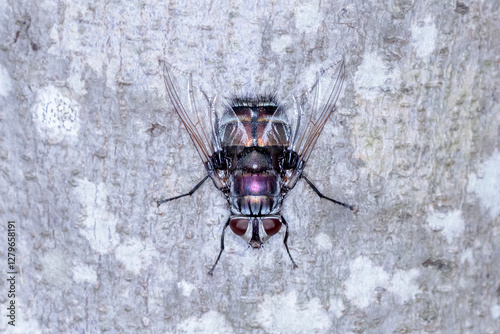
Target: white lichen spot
[(54, 36), (5, 82), (210, 322), (75, 82), (84, 273), (486, 185), (323, 241), (99, 225), (283, 314), (467, 256), (280, 43), (450, 224), (307, 18), (424, 36), (364, 278), (135, 254), (337, 307), (248, 260), (403, 285), (55, 115), (186, 288), (56, 267), (373, 77), (5, 11), (495, 311)]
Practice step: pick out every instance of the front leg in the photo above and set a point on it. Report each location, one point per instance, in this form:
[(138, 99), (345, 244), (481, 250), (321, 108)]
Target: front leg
[(295, 266), (211, 272)]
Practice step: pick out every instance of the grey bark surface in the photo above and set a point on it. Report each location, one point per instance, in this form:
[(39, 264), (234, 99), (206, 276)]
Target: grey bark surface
[(89, 141)]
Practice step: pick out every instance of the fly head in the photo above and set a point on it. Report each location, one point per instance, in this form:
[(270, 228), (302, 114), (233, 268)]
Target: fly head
[(255, 230)]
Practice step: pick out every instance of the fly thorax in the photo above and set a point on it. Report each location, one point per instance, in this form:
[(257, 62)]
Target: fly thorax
[(254, 162)]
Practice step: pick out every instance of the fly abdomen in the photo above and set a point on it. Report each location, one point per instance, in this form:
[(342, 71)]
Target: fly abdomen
[(255, 205), (262, 184), (254, 194)]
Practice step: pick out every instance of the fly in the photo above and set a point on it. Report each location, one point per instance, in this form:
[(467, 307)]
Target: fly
[(253, 154)]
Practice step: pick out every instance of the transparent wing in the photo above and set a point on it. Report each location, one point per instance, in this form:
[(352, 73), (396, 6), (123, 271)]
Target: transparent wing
[(314, 108), (277, 130), (195, 109)]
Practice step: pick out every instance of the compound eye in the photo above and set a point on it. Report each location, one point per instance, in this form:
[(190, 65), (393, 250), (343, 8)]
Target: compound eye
[(239, 226), (271, 225)]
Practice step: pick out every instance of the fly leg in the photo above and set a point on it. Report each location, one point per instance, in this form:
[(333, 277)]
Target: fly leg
[(285, 242), (211, 272), (187, 194), (350, 207)]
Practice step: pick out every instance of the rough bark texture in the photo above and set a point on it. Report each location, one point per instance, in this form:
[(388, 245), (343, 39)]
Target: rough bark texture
[(88, 141)]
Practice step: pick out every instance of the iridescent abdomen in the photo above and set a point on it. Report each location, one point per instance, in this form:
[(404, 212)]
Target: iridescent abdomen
[(255, 194)]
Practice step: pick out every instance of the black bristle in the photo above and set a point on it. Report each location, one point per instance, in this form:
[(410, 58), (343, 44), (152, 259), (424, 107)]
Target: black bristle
[(254, 101)]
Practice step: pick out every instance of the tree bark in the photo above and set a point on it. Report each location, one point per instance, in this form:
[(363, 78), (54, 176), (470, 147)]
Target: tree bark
[(89, 141)]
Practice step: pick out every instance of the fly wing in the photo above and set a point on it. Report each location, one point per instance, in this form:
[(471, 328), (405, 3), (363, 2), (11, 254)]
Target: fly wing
[(275, 128), (195, 109), (314, 108)]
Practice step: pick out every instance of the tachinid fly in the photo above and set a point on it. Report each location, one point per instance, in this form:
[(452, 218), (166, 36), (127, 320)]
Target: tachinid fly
[(251, 151)]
